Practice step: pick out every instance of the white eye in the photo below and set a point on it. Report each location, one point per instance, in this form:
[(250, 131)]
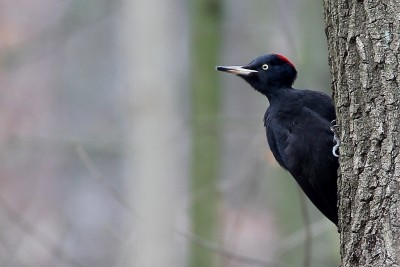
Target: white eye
[(265, 66)]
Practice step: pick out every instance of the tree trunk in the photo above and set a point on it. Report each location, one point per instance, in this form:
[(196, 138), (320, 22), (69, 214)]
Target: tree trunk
[(363, 40), (205, 39), (154, 69)]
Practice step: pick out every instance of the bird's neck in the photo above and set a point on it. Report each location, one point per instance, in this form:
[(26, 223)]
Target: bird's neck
[(275, 93)]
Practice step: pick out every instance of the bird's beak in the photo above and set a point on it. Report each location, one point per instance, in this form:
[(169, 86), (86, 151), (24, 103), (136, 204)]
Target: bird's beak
[(238, 70)]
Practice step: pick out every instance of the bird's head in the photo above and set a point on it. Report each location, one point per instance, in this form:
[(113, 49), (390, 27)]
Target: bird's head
[(265, 73)]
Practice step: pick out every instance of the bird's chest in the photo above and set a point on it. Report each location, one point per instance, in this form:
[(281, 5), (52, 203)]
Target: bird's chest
[(282, 123)]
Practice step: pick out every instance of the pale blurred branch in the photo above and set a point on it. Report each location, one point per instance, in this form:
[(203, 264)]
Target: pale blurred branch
[(95, 174), (307, 229), (238, 176), (215, 248), (40, 237), (298, 237)]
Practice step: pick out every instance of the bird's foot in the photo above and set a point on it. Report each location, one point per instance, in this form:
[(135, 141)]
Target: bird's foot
[(334, 129)]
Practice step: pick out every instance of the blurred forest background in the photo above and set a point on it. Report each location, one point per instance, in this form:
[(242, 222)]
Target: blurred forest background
[(122, 146)]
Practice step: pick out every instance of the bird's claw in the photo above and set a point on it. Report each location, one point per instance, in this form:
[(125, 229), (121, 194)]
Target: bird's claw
[(334, 129)]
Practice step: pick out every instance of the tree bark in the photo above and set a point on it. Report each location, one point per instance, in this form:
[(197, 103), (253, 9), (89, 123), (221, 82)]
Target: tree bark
[(363, 41)]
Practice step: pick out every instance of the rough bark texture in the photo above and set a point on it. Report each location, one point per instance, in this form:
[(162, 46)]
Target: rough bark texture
[(363, 40)]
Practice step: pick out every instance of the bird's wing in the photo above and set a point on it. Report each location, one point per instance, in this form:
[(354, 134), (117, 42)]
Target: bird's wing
[(311, 162), (320, 103), (307, 155)]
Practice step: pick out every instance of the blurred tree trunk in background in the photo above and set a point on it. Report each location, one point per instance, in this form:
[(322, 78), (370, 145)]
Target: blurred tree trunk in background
[(155, 70), (363, 40), (205, 39)]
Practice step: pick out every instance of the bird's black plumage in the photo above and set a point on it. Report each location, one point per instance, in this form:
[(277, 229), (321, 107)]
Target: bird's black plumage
[(298, 128)]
